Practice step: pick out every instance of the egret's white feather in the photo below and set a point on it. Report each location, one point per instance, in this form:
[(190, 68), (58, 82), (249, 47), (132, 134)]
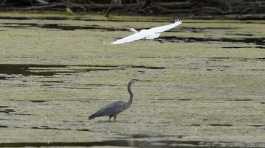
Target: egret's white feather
[(151, 33), (130, 38), (133, 30), (165, 27)]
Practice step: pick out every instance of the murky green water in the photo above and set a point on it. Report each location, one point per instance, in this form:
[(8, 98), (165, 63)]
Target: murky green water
[(204, 83)]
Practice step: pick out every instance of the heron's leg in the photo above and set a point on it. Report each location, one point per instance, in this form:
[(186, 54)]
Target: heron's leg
[(115, 116), (110, 118)]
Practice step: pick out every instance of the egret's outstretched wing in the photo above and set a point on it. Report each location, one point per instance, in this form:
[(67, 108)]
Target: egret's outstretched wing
[(148, 34), (131, 38), (166, 27)]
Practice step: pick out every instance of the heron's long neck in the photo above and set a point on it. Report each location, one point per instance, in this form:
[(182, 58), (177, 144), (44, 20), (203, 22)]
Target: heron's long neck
[(130, 93)]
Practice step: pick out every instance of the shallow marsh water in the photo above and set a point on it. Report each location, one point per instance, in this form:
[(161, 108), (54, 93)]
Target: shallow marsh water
[(204, 83)]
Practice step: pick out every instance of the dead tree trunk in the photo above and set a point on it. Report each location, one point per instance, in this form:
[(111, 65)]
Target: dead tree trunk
[(112, 3)]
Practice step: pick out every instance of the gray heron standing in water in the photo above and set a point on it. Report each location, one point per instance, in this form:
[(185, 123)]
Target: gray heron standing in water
[(113, 109)]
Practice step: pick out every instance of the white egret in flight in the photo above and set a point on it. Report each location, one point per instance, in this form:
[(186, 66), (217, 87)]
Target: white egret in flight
[(151, 33)]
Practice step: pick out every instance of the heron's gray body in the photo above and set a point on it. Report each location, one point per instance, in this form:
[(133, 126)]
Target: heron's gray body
[(113, 109)]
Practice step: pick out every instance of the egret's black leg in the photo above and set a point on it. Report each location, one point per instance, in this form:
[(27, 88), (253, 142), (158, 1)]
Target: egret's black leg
[(110, 118)]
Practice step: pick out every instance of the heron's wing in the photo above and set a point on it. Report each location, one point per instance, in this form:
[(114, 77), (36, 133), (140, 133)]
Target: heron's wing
[(165, 27), (111, 109), (130, 38)]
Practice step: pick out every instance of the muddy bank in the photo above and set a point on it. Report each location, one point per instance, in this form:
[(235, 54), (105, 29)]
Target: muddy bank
[(52, 18), (67, 27), (51, 70), (62, 27), (133, 143), (257, 41)]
